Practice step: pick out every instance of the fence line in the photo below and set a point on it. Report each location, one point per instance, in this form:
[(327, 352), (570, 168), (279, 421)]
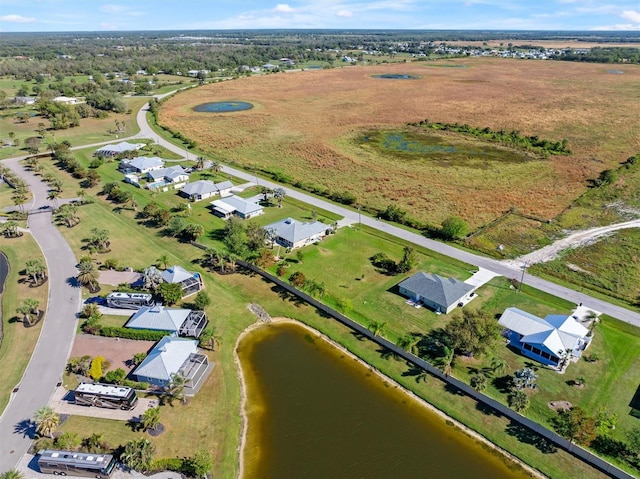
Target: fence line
[(539, 429)]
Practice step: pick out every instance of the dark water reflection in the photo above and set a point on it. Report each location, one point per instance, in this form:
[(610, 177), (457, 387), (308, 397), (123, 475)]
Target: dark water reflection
[(317, 413)]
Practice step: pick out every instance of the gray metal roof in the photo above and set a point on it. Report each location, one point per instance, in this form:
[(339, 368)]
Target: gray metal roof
[(440, 290), (294, 231), (121, 147), (171, 173), (143, 163), (158, 317), (176, 274), (235, 203), (200, 187), (166, 358)]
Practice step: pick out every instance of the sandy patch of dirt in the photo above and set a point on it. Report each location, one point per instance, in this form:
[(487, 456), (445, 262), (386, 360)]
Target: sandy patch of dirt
[(115, 350)]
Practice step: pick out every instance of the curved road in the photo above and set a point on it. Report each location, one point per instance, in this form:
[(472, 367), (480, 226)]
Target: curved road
[(499, 267), (54, 344)]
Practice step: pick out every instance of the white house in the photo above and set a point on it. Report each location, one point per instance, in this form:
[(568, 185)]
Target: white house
[(178, 321), (203, 189), (173, 356), (191, 282), (436, 292), (122, 147), (292, 233), (553, 340), (165, 178), (141, 164), (66, 100), (234, 205)]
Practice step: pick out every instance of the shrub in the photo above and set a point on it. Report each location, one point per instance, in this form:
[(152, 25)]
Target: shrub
[(67, 441), (174, 464), (95, 371), (298, 279), (116, 376), (139, 334), (140, 385)]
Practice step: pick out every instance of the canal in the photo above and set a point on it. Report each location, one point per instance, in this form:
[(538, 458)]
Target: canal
[(316, 412)]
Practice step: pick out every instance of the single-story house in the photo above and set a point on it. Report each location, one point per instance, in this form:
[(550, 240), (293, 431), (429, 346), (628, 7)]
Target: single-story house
[(178, 321), (553, 340), (234, 205), (66, 100), (191, 282), (173, 356), (293, 234), (203, 189), (434, 291), (171, 177), (113, 150), (24, 100), (141, 164)]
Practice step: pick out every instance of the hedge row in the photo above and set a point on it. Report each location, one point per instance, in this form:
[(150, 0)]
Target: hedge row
[(139, 334)]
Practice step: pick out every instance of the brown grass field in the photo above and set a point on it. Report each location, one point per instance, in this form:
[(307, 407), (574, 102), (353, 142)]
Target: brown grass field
[(304, 125)]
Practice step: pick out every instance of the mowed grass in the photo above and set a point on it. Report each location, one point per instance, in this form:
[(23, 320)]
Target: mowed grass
[(304, 125), (18, 342)]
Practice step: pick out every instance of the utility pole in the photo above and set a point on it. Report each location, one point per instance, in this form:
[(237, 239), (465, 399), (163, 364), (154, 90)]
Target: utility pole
[(524, 270)]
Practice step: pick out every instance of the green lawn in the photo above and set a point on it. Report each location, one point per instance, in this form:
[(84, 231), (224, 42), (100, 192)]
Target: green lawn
[(18, 342)]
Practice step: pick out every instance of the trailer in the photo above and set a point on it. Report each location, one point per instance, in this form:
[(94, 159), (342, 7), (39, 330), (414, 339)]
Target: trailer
[(109, 396), (124, 300)]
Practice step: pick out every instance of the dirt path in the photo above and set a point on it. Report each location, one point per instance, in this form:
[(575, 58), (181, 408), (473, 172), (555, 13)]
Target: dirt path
[(574, 240)]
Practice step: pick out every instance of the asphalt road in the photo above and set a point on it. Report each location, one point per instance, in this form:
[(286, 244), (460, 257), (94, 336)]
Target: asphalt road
[(50, 355), (499, 267)]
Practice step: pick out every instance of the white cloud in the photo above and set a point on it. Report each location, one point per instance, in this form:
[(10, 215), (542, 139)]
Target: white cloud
[(632, 16), (284, 8), (108, 26), (619, 26), (119, 10), (16, 19), (344, 13)]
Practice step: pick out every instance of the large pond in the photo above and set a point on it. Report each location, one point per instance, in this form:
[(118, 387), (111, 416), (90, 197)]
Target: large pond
[(223, 106), (396, 76), (315, 412), (4, 270)]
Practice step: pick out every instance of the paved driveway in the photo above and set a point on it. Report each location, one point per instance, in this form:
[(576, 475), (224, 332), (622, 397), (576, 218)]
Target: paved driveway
[(62, 403)]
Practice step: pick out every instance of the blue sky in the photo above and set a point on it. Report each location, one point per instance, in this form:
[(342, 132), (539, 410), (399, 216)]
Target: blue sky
[(88, 15)]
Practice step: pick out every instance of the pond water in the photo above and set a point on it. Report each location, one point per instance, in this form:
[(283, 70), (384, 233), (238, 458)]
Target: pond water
[(4, 270), (315, 412), (223, 106), (615, 72), (396, 76)]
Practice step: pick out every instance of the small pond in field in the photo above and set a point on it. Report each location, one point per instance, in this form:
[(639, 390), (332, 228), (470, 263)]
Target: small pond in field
[(223, 106), (615, 72), (396, 76)]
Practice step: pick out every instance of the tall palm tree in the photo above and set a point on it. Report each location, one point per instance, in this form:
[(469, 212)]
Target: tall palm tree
[(498, 365), (279, 194), (151, 418), (445, 361), (53, 195), (138, 454), (163, 260), (409, 342), (175, 389), (378, 327), (19, 199), (87, 274), (46, 420)]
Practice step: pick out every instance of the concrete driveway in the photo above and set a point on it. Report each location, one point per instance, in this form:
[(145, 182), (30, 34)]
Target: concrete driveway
[(62, 403)]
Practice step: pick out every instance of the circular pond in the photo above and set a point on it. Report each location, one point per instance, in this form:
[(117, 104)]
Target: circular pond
[(396, 76), (223, 106)]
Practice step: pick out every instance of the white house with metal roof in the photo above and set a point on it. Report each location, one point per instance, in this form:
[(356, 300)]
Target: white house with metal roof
[(173, 356), (122, 147), (191, 282), (436, 292), (235, 205), (164, 179), (293, 234), (141, 164), (203, 189), (178, 321), (553, 340)]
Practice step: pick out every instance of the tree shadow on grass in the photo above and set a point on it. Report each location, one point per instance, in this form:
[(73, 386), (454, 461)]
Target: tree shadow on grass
[(358, 335), (487, 410), (386, 353), (287, 296), (451, 389), (527, 436), (503, 384)]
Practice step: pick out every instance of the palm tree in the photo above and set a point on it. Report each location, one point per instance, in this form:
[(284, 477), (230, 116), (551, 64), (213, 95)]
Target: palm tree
[(36, 269), (94, 443), (138, 454), (151, 418), (12, 474), (19, 199), (175, 389), (28, 308), (53, 195), (11, 228), (199, 163), (91, 310), (445, 361), (378, 327), (498, 365), (209, 339), (46, 420), (279, 194), (82, 194), (69, 214), (163, 260), (409, 342), (215, 167), (87, 274)]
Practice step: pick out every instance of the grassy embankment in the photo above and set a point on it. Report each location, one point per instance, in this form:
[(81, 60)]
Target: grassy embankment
[(18, 342)]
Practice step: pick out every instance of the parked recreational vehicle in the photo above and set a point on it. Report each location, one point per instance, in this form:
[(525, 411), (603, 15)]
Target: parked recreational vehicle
[(105, 395), (129, 300), (62, 463)]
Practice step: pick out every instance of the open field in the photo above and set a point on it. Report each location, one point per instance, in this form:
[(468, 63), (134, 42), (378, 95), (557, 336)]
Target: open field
[(18, 342), (305, 126)]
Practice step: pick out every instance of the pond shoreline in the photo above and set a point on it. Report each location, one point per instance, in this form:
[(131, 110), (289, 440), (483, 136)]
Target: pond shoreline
[(419, 401)]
